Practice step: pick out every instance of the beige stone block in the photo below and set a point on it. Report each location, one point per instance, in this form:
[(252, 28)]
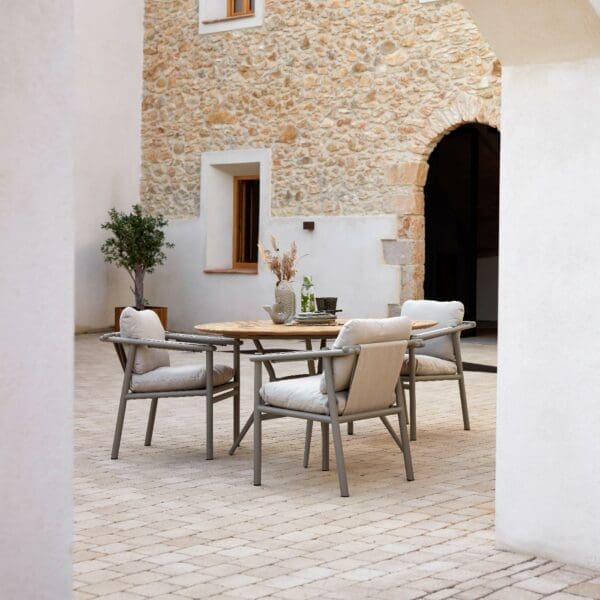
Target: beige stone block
[(414, 173), (409, 201), (220, 117), (288, 135), (397, 58), (403, 252), (411, 227), (412, 278)]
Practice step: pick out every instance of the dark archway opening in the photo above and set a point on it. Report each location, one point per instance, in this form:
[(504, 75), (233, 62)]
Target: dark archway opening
[(461, 222)]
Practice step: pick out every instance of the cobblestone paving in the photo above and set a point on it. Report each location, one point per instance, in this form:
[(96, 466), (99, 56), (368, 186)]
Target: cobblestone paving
[(164, 523)]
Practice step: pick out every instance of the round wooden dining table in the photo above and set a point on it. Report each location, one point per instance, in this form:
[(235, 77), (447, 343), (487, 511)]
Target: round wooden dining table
[(263, 330), (256, 330)]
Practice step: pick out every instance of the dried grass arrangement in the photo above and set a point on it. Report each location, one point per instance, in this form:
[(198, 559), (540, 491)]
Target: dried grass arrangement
[(281, 264)]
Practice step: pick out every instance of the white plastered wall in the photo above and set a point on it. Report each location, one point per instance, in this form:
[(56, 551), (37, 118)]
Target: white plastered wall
[(108, 98), (548, 448), (36, 300), (548, 473), (344, 255)]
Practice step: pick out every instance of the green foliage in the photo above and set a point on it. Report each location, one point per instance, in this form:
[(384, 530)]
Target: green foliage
[(137, 244)]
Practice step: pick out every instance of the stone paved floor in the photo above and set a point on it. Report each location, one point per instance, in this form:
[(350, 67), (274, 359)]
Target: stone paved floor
[(163, 523)]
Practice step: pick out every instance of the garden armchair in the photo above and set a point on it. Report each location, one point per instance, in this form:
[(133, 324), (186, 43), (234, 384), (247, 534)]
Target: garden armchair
[(439, 358), (361, 380), (143, 350)]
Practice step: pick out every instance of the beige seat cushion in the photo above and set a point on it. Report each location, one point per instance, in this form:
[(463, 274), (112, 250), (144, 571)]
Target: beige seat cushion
[(303, 393), (357, 332), (430, 365), (175, 379), (144, 324), (446, 314)]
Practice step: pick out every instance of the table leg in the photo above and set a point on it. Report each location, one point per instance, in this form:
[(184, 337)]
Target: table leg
[(311, 363), (320, 361), (268, 365), (243, 433)]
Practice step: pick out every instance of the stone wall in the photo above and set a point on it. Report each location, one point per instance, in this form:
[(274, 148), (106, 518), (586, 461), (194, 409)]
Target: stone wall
[(350, 95)]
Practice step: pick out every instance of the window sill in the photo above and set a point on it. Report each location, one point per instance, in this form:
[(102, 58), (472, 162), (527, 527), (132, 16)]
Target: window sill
[(231, 271), (227, 19)]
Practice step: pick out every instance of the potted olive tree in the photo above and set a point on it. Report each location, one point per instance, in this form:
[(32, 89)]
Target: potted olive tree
[(137, 244)]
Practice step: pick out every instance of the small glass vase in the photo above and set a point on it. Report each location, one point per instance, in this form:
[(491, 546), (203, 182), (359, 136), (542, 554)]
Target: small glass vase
[(307, 295)]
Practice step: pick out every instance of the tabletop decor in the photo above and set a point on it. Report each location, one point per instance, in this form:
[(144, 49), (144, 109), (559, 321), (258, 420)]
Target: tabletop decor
[(315, 318), (307, 295), (283, 266)]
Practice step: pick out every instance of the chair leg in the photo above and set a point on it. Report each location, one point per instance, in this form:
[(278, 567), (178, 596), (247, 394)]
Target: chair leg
[(463, 403), (236, 415), (402, 416), (339, 458), (119, 427), (209, 427), (408, 466), (257, 424), (324, 446), (151, 418), (413, 411), (350, 427), (209, 405), (307, 441), (257, 447), (130, 353)]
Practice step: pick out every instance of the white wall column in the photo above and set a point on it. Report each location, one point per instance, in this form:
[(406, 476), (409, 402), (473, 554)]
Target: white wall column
[(109, 38), (548, 449), (36, 300)]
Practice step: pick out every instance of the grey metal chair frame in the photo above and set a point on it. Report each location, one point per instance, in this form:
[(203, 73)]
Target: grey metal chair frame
[(126, 349), (264, 411), (409, 381)]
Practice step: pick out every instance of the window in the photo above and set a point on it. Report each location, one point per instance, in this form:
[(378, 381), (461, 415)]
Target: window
[(229, 15), (240, 8), (235, 200), (246, 205)]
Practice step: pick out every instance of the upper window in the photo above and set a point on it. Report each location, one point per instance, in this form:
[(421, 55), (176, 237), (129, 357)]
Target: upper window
[(229, 15), (240, 8), (246, 204)]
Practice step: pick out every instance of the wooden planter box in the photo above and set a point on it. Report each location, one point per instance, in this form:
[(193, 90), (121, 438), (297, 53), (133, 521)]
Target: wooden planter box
[(161, 311)]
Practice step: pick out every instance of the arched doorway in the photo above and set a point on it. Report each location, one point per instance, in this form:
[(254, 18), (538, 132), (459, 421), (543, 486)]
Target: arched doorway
[(461, 222)]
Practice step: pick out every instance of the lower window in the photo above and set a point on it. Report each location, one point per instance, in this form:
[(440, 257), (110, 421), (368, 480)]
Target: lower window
[(246, 214)]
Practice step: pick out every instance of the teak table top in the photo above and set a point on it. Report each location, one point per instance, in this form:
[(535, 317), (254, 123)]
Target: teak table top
[(268, 329)]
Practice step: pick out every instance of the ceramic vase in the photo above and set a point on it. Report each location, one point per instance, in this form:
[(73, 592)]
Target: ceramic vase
[(286, 298)]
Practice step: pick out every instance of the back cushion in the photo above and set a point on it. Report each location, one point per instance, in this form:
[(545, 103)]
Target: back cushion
[(446, 314), (363, 331), (140, 324)]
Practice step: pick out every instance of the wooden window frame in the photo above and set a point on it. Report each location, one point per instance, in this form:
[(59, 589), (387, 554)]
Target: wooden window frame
[(245, 12), (236, 265)]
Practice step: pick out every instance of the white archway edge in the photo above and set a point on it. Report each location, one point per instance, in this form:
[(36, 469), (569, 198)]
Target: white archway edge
[(538, 31), (548, 471)]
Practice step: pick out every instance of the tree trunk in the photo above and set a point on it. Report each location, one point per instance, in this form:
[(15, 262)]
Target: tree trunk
[(139, 289)]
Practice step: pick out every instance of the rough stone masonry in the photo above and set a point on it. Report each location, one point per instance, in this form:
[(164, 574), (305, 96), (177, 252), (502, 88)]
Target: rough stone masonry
[(350, 95)]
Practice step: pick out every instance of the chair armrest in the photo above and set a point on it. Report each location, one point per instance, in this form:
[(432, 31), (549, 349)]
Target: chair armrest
[(296, 356), (428, 335), (116, 338), (415, 343), (214, 340)]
